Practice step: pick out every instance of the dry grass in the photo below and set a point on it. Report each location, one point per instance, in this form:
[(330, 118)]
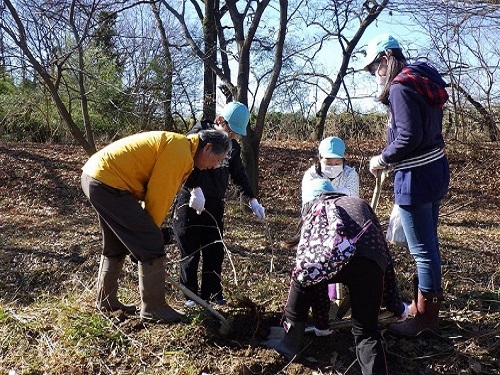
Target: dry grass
[(49, 251)]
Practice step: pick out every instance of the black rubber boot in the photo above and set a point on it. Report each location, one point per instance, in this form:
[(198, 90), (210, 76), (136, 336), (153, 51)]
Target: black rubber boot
[(290, 343)]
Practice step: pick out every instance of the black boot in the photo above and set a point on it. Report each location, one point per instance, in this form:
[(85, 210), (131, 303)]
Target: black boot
[(289, 344)]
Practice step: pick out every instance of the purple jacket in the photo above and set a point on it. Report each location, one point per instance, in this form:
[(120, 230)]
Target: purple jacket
[(416, 99)]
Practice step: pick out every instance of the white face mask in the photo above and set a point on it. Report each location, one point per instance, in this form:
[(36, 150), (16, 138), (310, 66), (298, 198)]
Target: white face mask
[(381, 80), (331, 171)]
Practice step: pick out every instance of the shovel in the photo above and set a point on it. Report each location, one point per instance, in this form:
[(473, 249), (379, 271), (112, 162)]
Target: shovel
[(225, 327)]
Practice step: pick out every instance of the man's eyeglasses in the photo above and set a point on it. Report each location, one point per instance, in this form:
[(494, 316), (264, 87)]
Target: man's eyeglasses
[(225, 125)]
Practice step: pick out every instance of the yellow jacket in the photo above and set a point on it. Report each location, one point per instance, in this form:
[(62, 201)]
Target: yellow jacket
[(151, 165)]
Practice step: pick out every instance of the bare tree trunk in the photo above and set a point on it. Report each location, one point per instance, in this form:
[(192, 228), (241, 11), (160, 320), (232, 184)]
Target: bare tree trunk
[(251, 143), (250, 156), (21, 41), (373, 10), (209, 76), (488, 118), (226, 87), (80, 78), (169, 69)]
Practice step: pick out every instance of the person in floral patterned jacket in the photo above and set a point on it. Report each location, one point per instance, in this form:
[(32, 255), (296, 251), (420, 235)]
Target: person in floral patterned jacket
[(363, 273)]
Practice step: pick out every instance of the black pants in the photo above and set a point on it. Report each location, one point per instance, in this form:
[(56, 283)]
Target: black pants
[(365, 280), (201, 236), (320, 303), (126, 227)]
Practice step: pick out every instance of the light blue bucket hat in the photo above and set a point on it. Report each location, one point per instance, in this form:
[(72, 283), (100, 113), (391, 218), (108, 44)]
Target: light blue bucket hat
[(378, 45), (314, 188), (237, 116), (332, 148)]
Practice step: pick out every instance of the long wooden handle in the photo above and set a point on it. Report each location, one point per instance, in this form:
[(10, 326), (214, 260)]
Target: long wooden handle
[(379, 179)]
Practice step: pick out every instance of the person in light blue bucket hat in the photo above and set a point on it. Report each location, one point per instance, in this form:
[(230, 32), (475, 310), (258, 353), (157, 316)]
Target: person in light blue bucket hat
[(368, 274), (414, 95), (343, 179), (198, 233), (331, 165)]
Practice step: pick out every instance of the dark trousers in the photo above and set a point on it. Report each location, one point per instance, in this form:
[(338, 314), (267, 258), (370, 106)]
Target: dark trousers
[(126, 227), (365, 280), (200, 236), (320, 303)]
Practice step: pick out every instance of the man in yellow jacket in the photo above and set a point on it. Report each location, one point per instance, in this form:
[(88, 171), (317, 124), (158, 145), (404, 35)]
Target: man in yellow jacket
[(147, 167)]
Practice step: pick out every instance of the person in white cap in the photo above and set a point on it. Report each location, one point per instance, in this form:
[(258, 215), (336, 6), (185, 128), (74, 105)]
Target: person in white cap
[(201, 201), (364, 273), (414, 95), (331, 164)]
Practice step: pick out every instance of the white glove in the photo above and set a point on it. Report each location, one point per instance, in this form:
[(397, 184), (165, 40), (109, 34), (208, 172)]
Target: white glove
[(257, 209), (376, 164), (197, 200)]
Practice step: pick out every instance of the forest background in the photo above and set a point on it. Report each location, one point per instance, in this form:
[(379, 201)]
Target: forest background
[(85, 69), (78, 74)]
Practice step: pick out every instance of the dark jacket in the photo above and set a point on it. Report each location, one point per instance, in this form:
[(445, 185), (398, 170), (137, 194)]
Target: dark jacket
[(214, 182), (416, 99), (353, 212)]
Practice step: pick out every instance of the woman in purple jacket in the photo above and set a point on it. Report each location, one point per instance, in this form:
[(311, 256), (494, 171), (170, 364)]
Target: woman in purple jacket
[(414, 95)]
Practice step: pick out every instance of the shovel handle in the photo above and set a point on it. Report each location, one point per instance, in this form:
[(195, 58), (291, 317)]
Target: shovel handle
[(199, 301), (379, 179), (346, 323)]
